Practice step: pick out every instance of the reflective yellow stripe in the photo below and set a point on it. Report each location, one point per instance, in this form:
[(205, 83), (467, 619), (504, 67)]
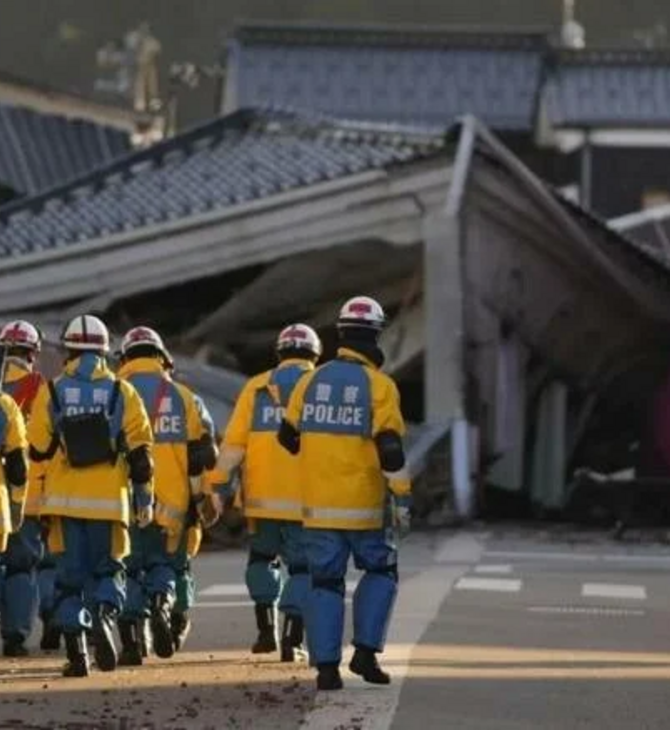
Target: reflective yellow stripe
[(334, 513), (277, 505), (165, 510), (57, 502)]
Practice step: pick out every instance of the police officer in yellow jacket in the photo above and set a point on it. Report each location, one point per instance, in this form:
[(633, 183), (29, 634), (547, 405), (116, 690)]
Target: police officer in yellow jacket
[(14, 472), (93, 432), (183, 449), (344, 421), (29, 570), (271, 492)]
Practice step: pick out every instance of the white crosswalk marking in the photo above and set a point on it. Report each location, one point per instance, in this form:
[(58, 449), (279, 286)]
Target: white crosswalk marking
[(503, 585), (224, 589), (612, 590), (493, 569)]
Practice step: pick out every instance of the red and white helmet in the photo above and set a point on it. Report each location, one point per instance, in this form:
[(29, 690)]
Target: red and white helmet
[(21, 334), (299, 337), (362, 312), (138, 336), (86, 332)]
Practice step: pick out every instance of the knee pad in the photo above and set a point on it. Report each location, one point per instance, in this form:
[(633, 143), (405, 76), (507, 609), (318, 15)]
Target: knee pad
[(334, 585)]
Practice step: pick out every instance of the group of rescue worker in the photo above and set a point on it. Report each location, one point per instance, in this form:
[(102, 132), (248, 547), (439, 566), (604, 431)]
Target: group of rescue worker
[(110, 478)]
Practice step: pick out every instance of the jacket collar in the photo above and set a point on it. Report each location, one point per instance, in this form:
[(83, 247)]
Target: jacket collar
[(142, 365), (307, 364), (349, 354), (88, 366), (16, 369)]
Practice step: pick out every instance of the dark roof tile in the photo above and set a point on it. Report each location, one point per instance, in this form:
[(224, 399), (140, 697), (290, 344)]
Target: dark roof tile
[(246, 156), (406, 76), (40, 151), (610, 88)]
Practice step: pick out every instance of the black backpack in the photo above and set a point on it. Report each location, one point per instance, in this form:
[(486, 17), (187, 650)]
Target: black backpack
[(86, 438)]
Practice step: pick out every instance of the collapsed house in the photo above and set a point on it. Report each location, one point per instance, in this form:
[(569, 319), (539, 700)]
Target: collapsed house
[(524, 331)]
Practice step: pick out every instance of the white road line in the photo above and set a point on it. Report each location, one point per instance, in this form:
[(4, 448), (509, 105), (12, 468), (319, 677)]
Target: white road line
[(577, 557), (522, 554), (611, 590), (224, 589), (493, 569), (501, 585), (587, 610), (637, 558), (418, 604)]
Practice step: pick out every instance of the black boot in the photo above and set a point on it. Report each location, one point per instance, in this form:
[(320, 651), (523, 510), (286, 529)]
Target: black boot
[(161, 628), (77, 656), (131, 646), (14, 646), (266, 621), (50, 640), (181, 627), (293, 634), (329, 677), (364, 663), (104, 649)]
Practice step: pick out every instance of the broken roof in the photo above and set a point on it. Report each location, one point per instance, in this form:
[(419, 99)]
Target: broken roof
[(247, 156), (410, 75)]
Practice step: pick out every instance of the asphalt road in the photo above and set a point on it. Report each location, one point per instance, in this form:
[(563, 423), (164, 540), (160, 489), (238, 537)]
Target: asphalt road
[(492, 632)]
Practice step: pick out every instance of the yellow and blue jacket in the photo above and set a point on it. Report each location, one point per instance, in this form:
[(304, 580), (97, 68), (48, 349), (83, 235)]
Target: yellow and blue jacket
[(175, 420), (338, 410), (12, 437), (23, 384), (270, 476), (102, 491)]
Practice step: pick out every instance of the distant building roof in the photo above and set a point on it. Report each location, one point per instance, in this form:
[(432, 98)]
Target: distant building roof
[(406, 75), (247, 156), (602, 88), (39, 151)]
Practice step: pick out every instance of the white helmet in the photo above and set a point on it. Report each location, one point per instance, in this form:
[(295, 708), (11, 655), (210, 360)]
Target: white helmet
[(299, 337), (21, 334), (362, 312), (143, 336), (86, 332)]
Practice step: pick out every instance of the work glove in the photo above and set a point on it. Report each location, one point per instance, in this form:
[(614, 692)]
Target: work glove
[(402, 517), (144, 516), (209, 508), (16, 513)]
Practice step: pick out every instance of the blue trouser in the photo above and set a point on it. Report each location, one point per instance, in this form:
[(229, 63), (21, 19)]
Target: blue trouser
[(46, 579), (150, 570), (328, 554), (87, 574), (270, 540), (185, 581), (20, 596)]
